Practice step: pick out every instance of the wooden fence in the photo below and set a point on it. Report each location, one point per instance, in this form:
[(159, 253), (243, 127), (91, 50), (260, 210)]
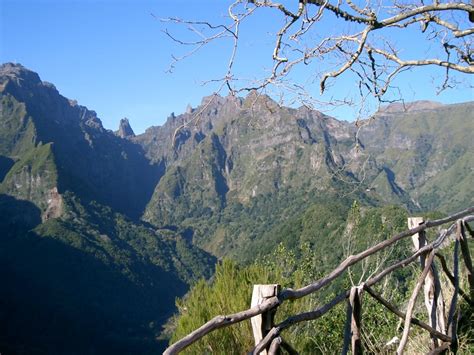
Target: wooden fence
[(442, 325)]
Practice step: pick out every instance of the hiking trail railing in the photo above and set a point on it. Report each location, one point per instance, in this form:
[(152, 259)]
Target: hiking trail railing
[(442, 326)]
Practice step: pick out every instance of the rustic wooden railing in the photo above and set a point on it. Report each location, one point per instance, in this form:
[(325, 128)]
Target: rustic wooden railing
[(442, 328)]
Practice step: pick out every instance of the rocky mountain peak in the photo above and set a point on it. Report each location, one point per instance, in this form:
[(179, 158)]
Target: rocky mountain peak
[(18, 74), (125, 130), (15, 69)]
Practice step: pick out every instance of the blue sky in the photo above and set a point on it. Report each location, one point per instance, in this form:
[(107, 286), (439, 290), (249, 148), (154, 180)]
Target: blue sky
[(112, 56)]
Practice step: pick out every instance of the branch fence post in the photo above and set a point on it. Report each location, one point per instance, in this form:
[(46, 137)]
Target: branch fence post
[(355, 301), (467, 259), (434, 300), (453, 311), (262, 323)]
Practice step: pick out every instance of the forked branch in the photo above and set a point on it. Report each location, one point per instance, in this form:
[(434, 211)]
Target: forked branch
[(366, 45)]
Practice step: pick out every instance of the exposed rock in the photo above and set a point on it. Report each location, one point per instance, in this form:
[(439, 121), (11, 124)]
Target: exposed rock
[(87, 159), (55, 205), (125, 130), (19, 74)]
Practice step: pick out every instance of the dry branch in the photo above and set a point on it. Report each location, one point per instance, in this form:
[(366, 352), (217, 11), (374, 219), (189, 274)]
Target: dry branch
[(450, 276), (355, 300), (411, 304), (402, 315), (220, 322), (452, 321), (275, 346), (353, 259), (347, 330), (363, 47), (433, 296), (466, 254)]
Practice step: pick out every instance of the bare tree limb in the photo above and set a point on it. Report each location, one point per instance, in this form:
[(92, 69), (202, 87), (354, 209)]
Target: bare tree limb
[(351, 260), (411, 304), (220, 322), (466, 254), (402, 315), (452, 321), (450, 276)]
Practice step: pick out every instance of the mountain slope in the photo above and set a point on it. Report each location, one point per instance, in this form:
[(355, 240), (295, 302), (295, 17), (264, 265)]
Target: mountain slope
[(236, 154), (90, 281), (82, 273), (429, 152), (90, 161)]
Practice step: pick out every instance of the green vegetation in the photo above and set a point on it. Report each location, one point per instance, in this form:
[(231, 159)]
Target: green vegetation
[(32, 176), (39, 161), (429, 153), (17, 133), (230, 291), (116, 279)]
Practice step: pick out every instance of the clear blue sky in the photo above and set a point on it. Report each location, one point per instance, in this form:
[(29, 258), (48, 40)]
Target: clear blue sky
[(111, 56)]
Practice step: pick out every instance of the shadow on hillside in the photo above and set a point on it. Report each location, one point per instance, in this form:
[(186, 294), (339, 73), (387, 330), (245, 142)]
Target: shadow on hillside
[(57, 299), (5, 166)]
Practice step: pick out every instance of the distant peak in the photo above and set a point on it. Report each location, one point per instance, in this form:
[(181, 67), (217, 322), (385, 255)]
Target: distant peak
[(189, 109), (125, 130), (410, 106), (214, 98), (254, 95), (13, 70), (19, 76)]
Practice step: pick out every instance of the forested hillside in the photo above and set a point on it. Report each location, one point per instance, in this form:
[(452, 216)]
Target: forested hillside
[(81, 273)]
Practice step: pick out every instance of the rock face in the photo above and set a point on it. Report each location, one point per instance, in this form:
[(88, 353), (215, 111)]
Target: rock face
[(427, 153), (78, 154), (55, 205), (239, 149), (240, 152), (125, 130)]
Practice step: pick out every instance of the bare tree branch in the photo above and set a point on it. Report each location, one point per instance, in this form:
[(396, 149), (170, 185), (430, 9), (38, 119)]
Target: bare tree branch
[(303, 39)]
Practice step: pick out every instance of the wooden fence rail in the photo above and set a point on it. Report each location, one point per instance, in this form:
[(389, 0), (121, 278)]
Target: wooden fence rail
[(443, 335)]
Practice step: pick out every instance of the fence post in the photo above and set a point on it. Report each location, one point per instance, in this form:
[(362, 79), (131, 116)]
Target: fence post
[(434, 300), (453, 311), (262, 323), (352, 331), (355, 301), (467, 259)]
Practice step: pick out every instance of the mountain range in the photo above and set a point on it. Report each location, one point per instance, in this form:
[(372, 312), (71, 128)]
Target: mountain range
[(101, 230)]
